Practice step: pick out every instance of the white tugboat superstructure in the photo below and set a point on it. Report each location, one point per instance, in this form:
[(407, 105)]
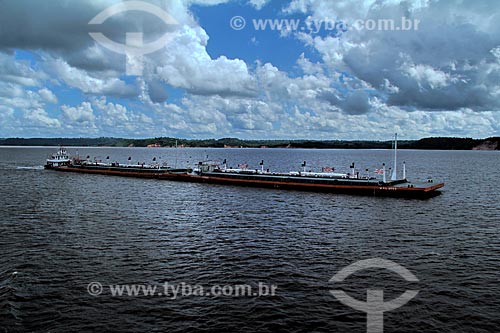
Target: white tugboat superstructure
[(60, 158)]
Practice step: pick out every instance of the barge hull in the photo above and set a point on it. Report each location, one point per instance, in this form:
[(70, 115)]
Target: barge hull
[(366, 190), (426, 191)]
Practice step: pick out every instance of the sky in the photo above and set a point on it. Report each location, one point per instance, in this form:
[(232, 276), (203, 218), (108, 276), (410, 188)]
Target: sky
[(211, 69)]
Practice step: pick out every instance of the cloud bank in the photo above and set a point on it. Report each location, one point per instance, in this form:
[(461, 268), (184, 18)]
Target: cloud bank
[(440, 79)]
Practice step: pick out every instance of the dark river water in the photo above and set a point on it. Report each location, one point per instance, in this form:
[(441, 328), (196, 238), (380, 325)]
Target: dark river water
[(59, 232)]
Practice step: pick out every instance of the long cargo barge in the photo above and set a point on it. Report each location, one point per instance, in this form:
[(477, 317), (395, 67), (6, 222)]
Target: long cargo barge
[(213, 173), (318, 183)]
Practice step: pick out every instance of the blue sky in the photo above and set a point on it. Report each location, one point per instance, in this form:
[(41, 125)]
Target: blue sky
[(326, 78)]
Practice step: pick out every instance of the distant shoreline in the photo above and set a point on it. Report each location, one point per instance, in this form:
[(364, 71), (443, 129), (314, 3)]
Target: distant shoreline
[(432, 143)]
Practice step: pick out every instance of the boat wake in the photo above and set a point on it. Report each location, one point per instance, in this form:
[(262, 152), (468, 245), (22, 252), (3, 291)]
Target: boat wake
[(37, 167)]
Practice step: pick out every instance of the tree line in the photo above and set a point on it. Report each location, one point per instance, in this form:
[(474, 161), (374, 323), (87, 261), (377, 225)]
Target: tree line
[(432, 143)]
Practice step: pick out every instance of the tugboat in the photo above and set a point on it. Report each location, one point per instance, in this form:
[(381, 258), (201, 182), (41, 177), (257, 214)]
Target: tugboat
[(59, 159), (211, 172)]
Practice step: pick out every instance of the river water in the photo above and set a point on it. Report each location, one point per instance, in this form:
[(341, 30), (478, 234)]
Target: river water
[(59, 232)]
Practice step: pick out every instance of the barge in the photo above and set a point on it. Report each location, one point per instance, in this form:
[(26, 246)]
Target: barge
[(214, 173)]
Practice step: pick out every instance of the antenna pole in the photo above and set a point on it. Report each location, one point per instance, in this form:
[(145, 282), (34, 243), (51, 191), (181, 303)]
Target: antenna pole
[(404, 170), (175, 154), (394, 172)]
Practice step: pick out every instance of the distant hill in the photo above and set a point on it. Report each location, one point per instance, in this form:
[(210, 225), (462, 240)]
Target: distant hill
[(443, 143), (433, 143)]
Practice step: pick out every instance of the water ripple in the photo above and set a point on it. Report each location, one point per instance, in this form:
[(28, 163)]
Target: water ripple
[(60, 232)]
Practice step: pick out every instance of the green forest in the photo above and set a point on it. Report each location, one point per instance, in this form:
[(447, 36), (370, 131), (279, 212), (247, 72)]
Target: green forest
[(436, 143)]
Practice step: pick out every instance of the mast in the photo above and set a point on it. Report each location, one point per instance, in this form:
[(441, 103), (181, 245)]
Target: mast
[(175, 166), (394, 171)]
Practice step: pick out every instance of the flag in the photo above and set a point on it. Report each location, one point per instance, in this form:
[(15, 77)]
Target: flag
[(243, 166), (379, 171), (327, 169)]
